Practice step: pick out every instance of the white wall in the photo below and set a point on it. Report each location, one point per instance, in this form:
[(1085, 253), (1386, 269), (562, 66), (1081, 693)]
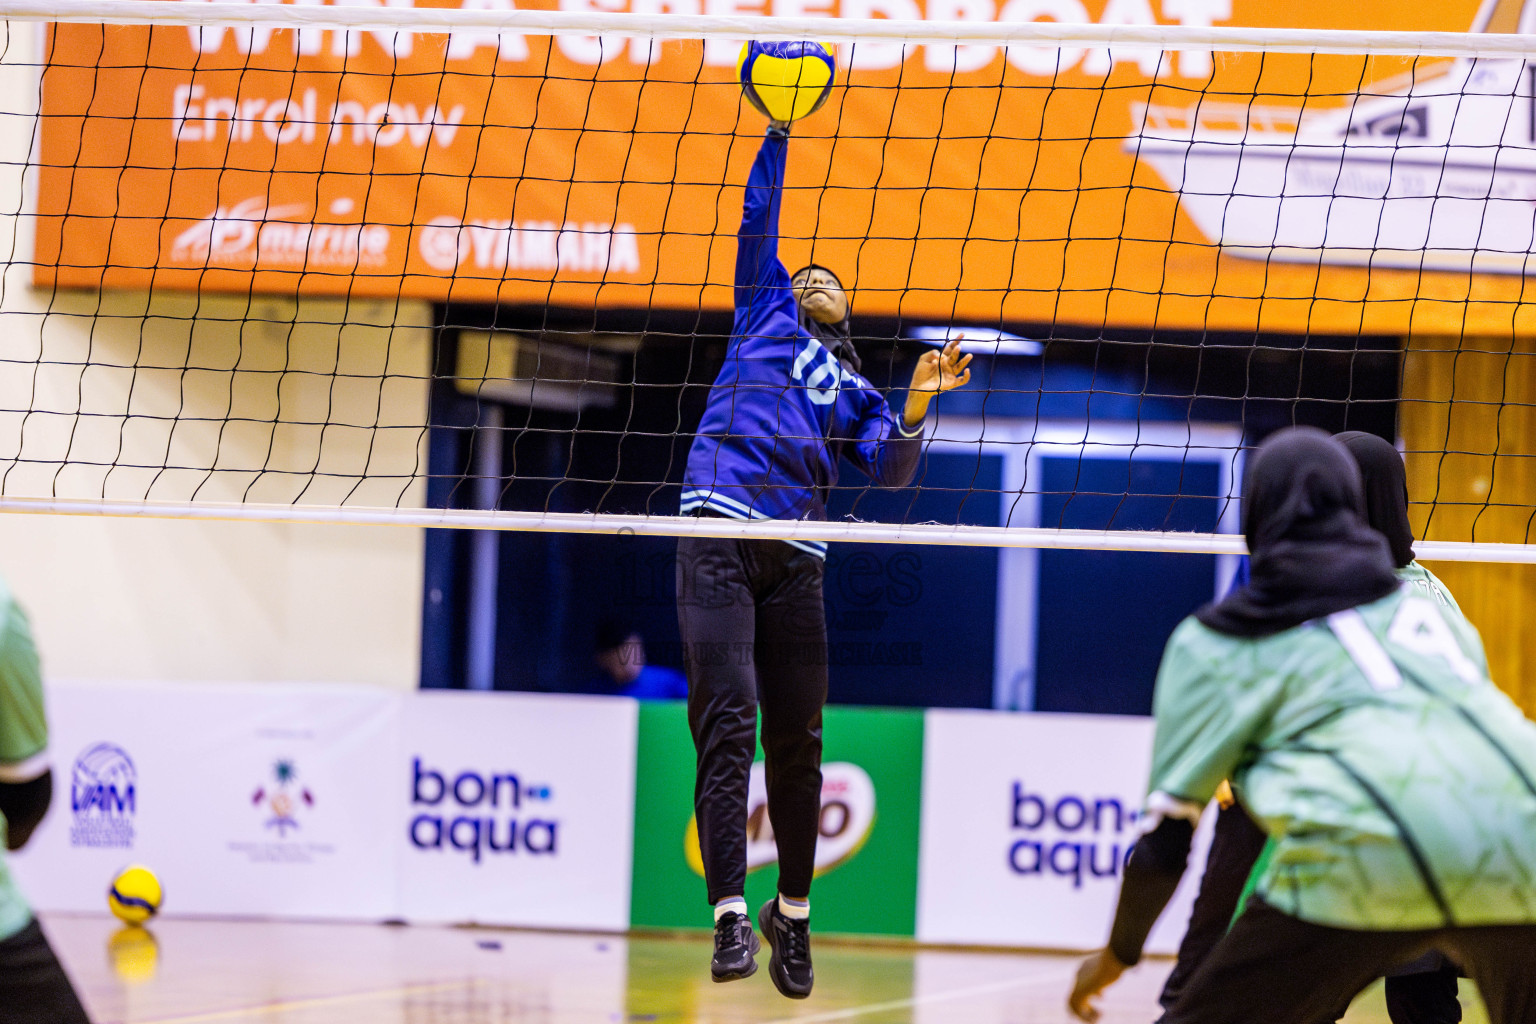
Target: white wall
[(200, 397)]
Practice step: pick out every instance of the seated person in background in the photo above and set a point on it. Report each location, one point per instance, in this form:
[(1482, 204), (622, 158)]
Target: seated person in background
[(33, 986), (621, 656)]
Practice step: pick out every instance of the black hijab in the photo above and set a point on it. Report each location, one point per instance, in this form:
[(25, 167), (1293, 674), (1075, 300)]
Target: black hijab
[(838, 337), (1311, 552), (1386, 490)]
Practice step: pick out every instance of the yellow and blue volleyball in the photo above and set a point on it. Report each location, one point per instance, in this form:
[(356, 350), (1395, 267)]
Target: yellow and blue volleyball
[(786, 80), (135, 895)]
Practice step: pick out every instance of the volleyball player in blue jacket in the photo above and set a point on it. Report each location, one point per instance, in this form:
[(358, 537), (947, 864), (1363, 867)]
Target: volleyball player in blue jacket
[(788, 403)]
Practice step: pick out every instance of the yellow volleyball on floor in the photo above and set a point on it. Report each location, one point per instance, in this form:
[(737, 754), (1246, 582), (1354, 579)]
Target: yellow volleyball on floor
[(135, 894), (786, 80)]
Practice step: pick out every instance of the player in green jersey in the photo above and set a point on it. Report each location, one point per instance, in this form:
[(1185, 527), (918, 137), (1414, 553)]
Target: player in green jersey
[(33, 986), (1424, 992), (1359, 728)]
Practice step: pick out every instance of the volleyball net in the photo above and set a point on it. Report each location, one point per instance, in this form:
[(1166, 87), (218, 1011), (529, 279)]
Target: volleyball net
[(473, 267)]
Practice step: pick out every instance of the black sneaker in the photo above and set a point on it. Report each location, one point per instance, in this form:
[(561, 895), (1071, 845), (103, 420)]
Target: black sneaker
[(790, 940), (735, 946)]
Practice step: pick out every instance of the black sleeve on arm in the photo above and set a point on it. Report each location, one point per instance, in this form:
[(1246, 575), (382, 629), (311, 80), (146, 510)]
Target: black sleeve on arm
[(899, 458), (24, 804), (1151, 876)]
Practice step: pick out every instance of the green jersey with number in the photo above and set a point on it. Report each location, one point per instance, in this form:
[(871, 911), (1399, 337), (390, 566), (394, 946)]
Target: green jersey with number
[(1397, 783), (1426, 584), (23, 735)]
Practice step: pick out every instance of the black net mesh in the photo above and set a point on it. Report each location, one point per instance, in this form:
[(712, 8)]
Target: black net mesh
[(480, 269)]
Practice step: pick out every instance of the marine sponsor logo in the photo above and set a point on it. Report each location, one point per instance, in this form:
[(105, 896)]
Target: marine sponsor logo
[(482, 813), (103, 797), (247, 232)]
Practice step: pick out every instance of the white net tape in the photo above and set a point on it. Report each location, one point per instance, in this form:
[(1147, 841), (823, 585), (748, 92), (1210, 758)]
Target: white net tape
[(737, 27), (652, 526)]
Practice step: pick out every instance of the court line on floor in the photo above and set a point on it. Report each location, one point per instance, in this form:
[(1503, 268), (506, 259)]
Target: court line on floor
[(288, 1005), (936, 997)]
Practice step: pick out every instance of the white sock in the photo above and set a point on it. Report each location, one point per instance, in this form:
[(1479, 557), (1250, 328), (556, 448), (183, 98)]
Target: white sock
[(794, 909), (730, 905)]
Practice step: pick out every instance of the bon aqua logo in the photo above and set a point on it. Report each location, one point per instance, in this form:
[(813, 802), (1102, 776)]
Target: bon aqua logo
[(481, 813), (847, 818), (1069, 836)]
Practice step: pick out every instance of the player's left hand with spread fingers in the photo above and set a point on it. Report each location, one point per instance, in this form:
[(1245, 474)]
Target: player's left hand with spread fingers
[(1096, 973), (942, 371)]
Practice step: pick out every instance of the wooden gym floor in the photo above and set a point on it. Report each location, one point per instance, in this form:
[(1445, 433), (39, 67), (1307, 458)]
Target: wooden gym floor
[(231, 972)]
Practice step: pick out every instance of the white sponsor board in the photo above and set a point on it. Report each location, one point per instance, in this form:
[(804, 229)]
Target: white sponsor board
[(356, 803), (520, 809), (340, 802), (1027, 821), (245, 800)]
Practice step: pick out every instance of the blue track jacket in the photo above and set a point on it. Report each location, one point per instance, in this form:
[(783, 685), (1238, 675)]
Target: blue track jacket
[(784, 408)]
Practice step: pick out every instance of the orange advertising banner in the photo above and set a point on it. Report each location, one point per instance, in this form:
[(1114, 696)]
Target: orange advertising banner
[(1182, 190)]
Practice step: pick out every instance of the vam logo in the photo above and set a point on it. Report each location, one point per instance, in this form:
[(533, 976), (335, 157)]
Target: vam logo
[(847, 819), (103, 797)]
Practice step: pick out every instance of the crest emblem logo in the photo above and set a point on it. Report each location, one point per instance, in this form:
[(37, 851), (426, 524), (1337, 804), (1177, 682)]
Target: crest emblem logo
[(283, 799)]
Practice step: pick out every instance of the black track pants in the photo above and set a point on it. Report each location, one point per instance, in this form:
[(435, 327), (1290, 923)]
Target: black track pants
[(33, 986), (1274, 969), (754, 633), (1235, 846), (1424, 992), (1427, 995)]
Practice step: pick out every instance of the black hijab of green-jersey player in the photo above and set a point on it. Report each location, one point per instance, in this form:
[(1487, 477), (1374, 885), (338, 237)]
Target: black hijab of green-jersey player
[(1311, 552), (1386, 490)]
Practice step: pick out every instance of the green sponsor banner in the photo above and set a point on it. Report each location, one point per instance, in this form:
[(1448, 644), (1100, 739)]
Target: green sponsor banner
[(866, 856)]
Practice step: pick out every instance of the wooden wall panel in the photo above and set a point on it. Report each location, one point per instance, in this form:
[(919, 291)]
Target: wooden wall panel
[(1468, 423)]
